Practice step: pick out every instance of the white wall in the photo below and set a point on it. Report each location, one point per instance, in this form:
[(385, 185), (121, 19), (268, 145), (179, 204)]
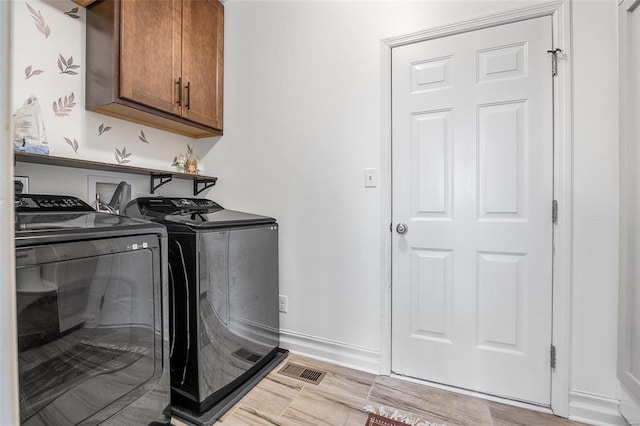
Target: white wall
[(302, 121)]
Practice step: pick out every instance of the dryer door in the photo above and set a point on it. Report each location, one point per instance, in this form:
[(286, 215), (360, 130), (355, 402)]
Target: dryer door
[(89, 327)]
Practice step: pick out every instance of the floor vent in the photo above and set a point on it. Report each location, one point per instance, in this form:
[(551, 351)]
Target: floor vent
[(302, 373), (249, 356)]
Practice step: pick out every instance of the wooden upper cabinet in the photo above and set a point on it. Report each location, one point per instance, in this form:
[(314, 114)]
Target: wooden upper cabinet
[(202, 53), (150, 60), (165, 68)]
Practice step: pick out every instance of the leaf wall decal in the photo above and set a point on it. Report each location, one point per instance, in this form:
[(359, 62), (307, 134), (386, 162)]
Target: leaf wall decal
[(40, 23), (72, 13), (66, 66), (122, 156), (74, 144), (102, 128), (30, 72), (143, 137), (62, 109)]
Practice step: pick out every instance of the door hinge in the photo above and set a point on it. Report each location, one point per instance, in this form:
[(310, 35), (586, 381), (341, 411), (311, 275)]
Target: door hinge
[(554, 211), (554, 61), (553, 356)]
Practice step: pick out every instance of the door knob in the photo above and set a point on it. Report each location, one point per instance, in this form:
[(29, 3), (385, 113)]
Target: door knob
[(402, 228)]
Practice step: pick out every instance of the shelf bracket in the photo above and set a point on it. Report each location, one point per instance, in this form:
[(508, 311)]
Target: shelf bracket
[(162, 177), (205, 182)]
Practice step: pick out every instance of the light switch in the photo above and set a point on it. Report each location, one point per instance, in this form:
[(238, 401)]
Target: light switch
[(370, 178)]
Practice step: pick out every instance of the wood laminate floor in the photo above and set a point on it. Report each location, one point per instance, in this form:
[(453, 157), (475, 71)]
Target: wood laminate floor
[(339, 399)]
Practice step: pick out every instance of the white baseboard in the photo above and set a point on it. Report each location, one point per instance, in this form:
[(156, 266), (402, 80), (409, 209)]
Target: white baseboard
[(594, 409), (356, 357), (629, 408)]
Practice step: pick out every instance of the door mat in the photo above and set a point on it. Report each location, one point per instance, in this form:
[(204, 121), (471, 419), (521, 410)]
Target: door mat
[(376, 420), (389, 417)]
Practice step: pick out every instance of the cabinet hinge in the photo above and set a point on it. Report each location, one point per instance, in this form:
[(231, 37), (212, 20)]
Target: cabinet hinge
[(553, 356), (554, 61), (554, 211), (391, 227)]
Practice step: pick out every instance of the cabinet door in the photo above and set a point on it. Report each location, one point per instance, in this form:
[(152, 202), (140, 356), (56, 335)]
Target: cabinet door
[(150, 53), (202, 53)]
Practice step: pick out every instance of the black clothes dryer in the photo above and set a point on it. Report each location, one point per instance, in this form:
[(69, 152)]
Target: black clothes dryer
[(223, 281)]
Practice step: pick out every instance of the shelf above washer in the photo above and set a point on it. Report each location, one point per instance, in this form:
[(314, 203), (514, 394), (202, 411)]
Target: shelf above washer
[(200, 182)]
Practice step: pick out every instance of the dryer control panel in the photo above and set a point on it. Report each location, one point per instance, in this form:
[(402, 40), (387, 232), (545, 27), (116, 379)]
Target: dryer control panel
[(52, 203)]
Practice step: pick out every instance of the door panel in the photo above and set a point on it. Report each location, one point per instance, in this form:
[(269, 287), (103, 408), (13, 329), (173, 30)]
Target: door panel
[(432, 145), (473, 180), (151, 60), (202, 53)]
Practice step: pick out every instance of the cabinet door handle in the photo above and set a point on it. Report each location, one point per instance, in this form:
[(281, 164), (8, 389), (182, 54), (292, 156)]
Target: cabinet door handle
[(188, 104), (179, 84)]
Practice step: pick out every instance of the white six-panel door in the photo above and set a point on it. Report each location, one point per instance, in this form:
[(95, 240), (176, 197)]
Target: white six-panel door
[(472, 162)]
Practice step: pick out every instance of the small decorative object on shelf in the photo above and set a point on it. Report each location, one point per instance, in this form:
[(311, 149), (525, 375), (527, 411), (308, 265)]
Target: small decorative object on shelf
[(191, 167), (187, 162)]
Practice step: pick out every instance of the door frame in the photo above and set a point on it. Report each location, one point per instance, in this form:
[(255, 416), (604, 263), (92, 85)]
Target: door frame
[(560, 13), (629, 407)]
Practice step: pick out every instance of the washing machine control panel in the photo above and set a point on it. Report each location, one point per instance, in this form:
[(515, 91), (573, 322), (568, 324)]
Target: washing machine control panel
[(176, 205), (198, 203)]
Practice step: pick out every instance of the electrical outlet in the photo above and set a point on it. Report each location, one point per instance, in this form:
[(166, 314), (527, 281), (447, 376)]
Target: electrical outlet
[(21, 184), (283, 304)]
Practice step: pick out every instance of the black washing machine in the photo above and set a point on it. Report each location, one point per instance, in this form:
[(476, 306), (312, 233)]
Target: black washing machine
[(224, 319), (91, 292)]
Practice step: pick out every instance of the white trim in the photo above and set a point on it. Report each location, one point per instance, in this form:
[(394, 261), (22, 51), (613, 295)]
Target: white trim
[(629, 408), (594, 409), (385, 203), (628, 248), (563, 189), (355, 357), (500, 18), (563, 193), (10, 413)]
